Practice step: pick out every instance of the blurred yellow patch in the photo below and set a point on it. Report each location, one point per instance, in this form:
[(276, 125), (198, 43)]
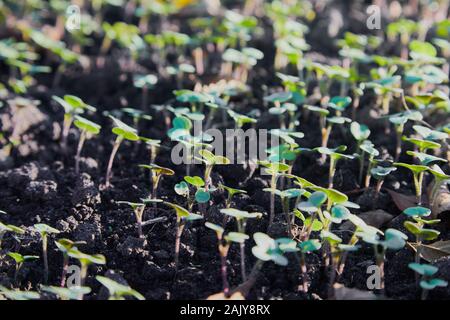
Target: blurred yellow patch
[(180, 3)]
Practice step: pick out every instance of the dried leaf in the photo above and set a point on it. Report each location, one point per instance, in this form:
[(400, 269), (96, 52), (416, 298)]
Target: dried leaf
[(376, 218), (402, 201), (434, 251), (221, 296), (344, 293)]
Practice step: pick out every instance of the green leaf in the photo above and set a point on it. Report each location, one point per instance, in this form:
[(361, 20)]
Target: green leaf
[(432, 284), (195, 181), (118, 290), (310, 245), (180, 211), (182, 189), (202, 196), (236, 237), (417, 212), (423, 269), (84, 124)]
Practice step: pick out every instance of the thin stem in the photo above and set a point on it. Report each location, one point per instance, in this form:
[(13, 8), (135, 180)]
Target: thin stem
[(64, 270), (332, 172), (44, 254), (304, 272), (79, 148), (179, 232), (223, 250), (273, 185), (116, 146)]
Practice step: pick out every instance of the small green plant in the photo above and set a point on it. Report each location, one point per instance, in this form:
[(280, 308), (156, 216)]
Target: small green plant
[(335, 156), (418, 172), (122, 132), (5, 228), (138, 209), (440, 178), (306, 247), (231, 192), (337, 120), (87, 130), (418, 229), (399, 120), (85, 261), (157, 172), (380, 173), (241, 221), (118, 291), (210, 160), (44, 230), (367, 148), (428, 282), (65, 245), (72, 293), (153, 146), (183, 216), (72, 106), (20, 260), (15, 294)]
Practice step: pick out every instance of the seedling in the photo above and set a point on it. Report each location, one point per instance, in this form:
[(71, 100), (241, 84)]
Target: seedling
[(44, 230), (327, 132), (231, 193), (145, 82), (136, 115), (153, 146), (380, 173), (72, 106), (72, 293), (335, 156), (399, 120), (210, 160), (20, 260), (428, 282), (224, 243), (65, 245), (15, 294), (118, 291), (183, 216), (123, 132), (241, 221), (393, 240), (306, 247), (440, 178), (138, 209), (367, 147), (5, 228), (418, 229), (312, 206), (157, 172), (268, 249), (277, 99), (85, 261), (88, 129), (418, 172), (275, 169)]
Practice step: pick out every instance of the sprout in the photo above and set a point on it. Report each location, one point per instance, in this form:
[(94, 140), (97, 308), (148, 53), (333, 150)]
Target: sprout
[(231, 193), (183, 216), (277, 99), (85, 261), (241, 221), (136, 115), (145, 82), (418, 172), (335, 156), (20, 260), (201, 195), (327, 132), (65, 245), (118, 291), (393, 240), (224, 243), (157, 172), (367, 147), (4, 228), (210, 161), (380, 173), (440, 178), (138, 209), (88, 129), (307, 247), (44, 230), (275, 169), (123, 132), (268, 249), (313, 206), (428, 282), (418, 229), (399, 120), (240, 119), (72, 106), (72, 293), (153, 146), (18, 295)]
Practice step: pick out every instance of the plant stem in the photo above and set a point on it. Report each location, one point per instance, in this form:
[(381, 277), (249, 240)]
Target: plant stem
[(304, 272), (179, 232), (332, 172), (223, 250), (116, 146), (44, 254), (64, 270), (65, 133), (79, 148), (273, 185), (398, 148), (378, 187)]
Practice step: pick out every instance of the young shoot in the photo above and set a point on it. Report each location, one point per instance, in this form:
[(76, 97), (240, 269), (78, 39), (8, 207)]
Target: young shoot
[(306, 247), (5, 228), (44, 230), (367, 148), (418, 172), (231, 192), (118, 291), (210, 160), (85, 261), (153, 146), (335, 156), (157, 172), (138, 209), (65, 245), (20, 260), (72, 293), (87, 130), (327, 132), (440, 179), (399, 120), (380, 173), (122, 132), (427, 281)]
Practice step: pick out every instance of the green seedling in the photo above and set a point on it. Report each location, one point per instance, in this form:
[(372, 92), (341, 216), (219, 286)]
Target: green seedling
[(210, 160), (224, 243), (5, 228), (72, 293), (126, 35), (418, 172), (183, 216), (145, 82), (157, 172), (241, 221), (277, 99), (418, 229), (15, 294), (306, 247), (339, 104), (268, 249), (72, 106), (85, 261), (244, 59), (122, 132), (335, 156), (313, 207), (275, 169), (20, 260), (65, 245), (231, 192), (380, 173), (361, 133), (138, 209), (44, 230), (201, 195), (440, 178), (137, 115), (428, 282), (327, 132), (393, 240), (153, 146), (424, 158), (399, 120), (404, 28), (87, 130), (240, 119), (367, 148), (422, 145), (118, 291)]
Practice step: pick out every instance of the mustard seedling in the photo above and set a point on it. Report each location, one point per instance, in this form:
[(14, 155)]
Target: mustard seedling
[(65, 245), (157, 172), (210, 160), (5, 228), (72, 293), (87, 130), (118, 291), (44, 230), (335, 156), (418, 172), (380, 173), (20, 260), (427, 281), (85, 261)]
